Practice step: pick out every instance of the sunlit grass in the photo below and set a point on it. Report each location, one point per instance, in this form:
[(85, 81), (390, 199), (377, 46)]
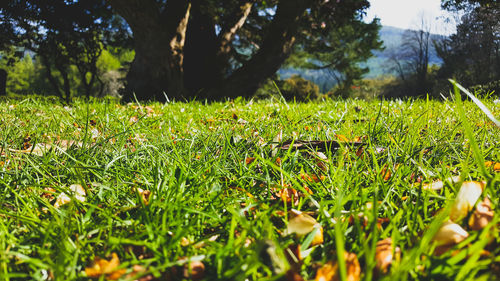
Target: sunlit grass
[(208, 203)]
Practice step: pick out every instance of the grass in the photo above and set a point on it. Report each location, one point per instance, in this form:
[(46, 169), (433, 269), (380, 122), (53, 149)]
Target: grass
[(214, 173)]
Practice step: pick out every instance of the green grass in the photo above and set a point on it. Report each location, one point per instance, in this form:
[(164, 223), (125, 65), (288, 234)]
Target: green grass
[(208, 204)]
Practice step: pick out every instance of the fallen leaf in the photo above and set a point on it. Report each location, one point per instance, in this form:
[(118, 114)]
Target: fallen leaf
[(292, 275), (104, 267), (467, 196), (249, 160), (312, 178), (302, 224), (447, 236), (439, 184), (384, 255), (77, 191), (482, 215), (495, 165), (194, 270), (145, 194), (330, 271), (39, 149), (321, 145)]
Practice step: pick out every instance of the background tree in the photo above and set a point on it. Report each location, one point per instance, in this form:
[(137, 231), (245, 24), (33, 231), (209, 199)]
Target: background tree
[(472, 55), (67, 37), (411, 59), (340, 50)]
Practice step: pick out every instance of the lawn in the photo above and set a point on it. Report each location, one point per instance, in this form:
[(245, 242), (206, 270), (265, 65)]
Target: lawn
[(249, 190)]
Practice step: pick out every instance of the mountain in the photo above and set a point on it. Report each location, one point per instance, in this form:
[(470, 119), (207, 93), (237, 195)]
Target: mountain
[(378, 64)]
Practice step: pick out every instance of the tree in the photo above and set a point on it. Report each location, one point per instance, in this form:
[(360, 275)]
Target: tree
[(472, 55), (411, 59), (3, 82), (214, 49), (340, 51), (62, 34)]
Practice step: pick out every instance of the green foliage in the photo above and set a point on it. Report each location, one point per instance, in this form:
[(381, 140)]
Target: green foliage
[(340, 51), (299, 89), (107, 61), (294, 88), (471, 55), (28, 76)]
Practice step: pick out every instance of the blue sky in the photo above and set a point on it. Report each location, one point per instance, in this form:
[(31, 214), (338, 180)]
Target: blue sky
[(407, 14)]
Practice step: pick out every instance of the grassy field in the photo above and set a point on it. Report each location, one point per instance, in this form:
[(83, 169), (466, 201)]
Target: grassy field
[(247, 191)]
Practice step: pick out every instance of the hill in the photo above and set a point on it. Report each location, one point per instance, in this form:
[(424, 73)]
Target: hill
[(378, 65)]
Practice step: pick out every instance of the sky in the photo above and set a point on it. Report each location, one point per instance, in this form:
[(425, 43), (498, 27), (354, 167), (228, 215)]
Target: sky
[(406, 14)]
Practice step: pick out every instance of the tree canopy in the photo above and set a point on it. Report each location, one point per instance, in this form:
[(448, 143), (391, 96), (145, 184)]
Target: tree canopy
[(183, 49)]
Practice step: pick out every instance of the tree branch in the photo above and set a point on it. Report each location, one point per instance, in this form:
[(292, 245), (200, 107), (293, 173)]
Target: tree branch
[(227, 34)]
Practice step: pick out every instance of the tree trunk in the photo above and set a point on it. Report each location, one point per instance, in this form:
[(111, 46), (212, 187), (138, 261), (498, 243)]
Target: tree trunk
[(276, 48), (3, 82), (200, 52), (50, 76), (207, 53), (159, 35)]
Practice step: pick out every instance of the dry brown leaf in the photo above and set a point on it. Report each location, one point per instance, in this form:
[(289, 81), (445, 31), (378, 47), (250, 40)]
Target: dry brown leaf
[(292, 275), (77, 191), (467, 196), (302, 224), (104, 267), (330, 271), (195, 270), (482, 215)]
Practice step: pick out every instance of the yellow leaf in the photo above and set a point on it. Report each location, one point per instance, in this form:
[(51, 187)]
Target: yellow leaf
[(39, 149), (450, 233), (145, 194), (467, 197), (330, 271), (77, 191), (302, 224), (104, 267), (439, 184)]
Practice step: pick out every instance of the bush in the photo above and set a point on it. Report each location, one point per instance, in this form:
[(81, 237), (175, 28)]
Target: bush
[(299, 89)]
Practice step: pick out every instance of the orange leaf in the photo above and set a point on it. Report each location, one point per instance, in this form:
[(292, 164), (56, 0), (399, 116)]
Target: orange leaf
[(384, 254), (330, 271), (312, 178), (249, 160), (104, 267)]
